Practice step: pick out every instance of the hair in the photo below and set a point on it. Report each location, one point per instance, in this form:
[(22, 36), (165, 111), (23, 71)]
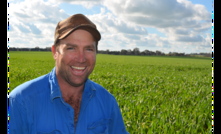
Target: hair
[(57, 43)]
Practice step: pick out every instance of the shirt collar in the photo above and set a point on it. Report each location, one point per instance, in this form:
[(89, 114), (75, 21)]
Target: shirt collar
[(88, 92), (54, 87), (89, 89)]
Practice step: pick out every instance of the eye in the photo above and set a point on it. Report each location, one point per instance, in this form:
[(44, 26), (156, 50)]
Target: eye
[(90, 49), (70, 48)]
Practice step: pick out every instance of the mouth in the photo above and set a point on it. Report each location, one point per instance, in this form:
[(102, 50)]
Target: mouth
[(78, 70)]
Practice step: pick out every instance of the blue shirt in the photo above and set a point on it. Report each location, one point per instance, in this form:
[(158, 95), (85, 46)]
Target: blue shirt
[(37, 107)]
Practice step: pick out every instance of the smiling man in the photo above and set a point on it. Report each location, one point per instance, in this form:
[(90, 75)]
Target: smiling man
[(65, 101)]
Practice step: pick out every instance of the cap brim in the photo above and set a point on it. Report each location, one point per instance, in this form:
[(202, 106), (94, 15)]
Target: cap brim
[(94, 32)]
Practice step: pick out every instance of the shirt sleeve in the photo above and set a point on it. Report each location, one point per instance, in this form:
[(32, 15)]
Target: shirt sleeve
[(17, 117), (117, 124)]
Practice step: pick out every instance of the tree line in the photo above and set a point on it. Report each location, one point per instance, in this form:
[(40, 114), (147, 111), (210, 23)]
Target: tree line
[(135, 51)]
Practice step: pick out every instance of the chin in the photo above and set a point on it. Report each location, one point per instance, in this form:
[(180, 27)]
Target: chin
[(78, 83)]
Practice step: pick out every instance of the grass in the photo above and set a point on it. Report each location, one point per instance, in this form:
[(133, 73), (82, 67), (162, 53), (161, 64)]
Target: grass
[(156, 94)]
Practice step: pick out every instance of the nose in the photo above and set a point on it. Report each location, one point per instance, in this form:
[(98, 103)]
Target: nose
[(81, 57)]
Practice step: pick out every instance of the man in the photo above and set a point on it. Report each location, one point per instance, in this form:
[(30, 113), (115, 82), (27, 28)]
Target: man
[(65, 101)]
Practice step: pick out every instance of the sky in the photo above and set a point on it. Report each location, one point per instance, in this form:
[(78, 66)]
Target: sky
[(182, 26)]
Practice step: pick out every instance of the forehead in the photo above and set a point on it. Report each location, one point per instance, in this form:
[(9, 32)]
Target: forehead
[(92, 45)]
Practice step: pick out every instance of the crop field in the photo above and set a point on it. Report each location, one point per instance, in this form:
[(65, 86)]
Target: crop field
[(157, 95)]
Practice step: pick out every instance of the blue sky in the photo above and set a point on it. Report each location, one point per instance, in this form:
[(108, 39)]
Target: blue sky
[(164, 25)]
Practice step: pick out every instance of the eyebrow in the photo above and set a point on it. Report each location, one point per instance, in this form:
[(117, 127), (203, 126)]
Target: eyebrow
[(69, 44), (74, 45)]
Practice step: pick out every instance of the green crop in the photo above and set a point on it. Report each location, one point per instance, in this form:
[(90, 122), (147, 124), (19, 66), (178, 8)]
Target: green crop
[(157, 95)]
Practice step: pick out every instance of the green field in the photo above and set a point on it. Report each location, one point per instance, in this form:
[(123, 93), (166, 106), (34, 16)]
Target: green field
[(157, 95)]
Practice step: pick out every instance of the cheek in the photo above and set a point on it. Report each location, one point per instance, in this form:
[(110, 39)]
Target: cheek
[(60, 59), (92, 59), (66, 59)]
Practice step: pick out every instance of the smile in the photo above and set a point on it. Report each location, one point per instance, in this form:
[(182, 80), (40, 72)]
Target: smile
[(78, 68)]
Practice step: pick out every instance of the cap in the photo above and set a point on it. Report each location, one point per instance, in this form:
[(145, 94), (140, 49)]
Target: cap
[(74, 22)]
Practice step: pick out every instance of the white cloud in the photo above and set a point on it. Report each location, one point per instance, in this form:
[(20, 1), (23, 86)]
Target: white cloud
[(122, 23), (118, 34), (171, 17), (33, 23), (180, 20), (109, 23), (160, 13), (191, 38), (86, 3)]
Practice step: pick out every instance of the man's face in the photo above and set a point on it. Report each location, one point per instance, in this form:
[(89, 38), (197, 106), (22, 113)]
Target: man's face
[(75, 58)]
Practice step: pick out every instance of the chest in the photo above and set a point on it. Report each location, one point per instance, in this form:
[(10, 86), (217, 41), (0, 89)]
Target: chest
[(57, 116), (75, 103)]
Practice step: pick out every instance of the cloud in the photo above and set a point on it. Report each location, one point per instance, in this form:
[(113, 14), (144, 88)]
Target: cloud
[(118, 33), (182, 31), (158, 13), (193, 38), (37, 11), (180, 20), (23, 28), (108, 23), (86, 3), (123, 23), (34, 29), (21, 15), (34, 22)]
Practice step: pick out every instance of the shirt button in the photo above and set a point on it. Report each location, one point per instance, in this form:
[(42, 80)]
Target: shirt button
[(68, 109)]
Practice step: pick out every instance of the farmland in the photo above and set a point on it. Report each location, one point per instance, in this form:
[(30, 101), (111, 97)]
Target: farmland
[(157, 95)]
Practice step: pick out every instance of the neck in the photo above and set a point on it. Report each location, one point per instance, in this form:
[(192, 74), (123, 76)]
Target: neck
[(68, 90)]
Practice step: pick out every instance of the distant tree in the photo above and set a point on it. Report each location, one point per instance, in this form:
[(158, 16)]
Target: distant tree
[(146, 52), (181, 54), (170, 54), (136, 51), (107, 51), (175, 54), (159, 53), (48, 49), (129, 52), (123, 52), (37, 48)]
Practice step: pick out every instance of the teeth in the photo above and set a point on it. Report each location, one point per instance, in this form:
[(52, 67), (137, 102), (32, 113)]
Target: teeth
[(78, 68)]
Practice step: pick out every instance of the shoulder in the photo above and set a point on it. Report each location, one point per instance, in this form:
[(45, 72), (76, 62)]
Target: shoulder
[(30, 88), (100, 88), (101, 91)]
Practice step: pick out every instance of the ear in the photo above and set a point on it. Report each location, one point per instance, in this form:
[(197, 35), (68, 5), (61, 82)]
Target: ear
[(54, 52)]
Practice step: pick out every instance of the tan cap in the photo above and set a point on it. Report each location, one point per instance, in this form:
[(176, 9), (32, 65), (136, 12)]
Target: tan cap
[(74, 22)]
